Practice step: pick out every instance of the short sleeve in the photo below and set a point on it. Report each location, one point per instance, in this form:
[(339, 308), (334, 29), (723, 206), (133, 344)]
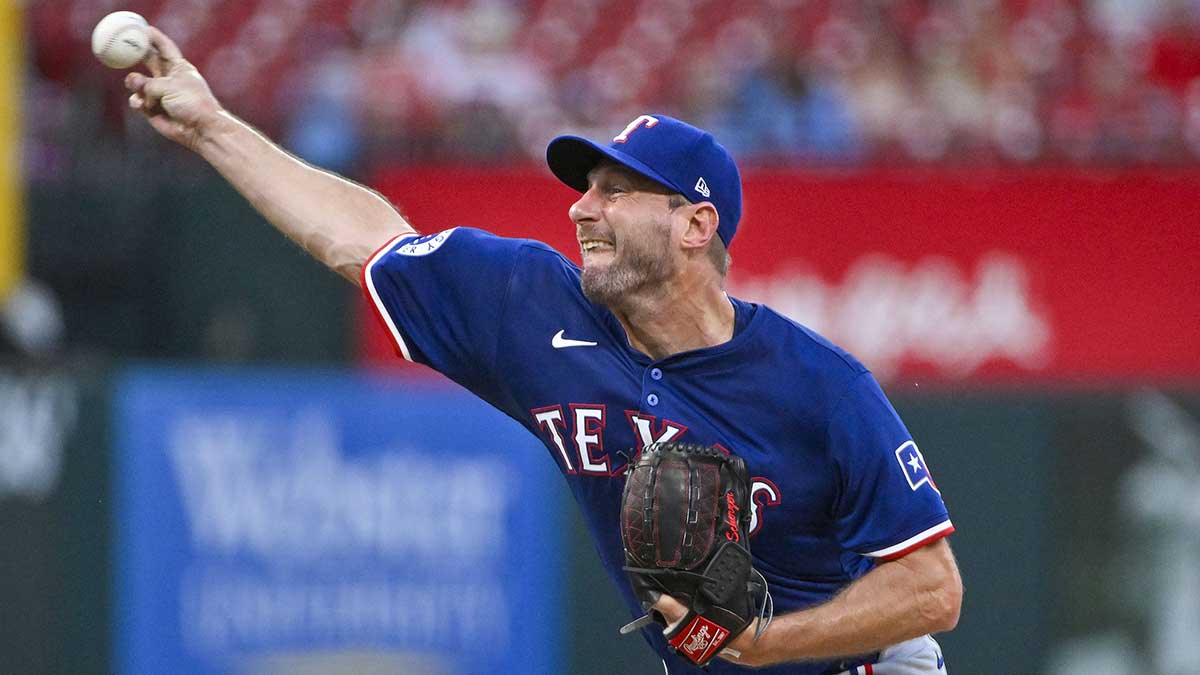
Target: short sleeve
[(888, 504), (441, 298)]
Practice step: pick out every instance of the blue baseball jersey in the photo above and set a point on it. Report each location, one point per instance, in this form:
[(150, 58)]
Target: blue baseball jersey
[(838, 483)]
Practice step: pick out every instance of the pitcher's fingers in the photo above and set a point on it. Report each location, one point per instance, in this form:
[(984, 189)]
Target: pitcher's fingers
[(669, 607), (154, 89), (135, 81), (155, 64), (167, 49)]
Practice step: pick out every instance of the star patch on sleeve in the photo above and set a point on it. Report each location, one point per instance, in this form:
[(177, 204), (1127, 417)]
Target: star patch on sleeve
[(912, 463)]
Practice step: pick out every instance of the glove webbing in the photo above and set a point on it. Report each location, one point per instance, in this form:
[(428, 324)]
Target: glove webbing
[(693, 511)]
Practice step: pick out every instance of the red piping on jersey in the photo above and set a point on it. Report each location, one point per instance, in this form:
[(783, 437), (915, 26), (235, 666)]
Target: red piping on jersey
[(366, 291), (924, 542)]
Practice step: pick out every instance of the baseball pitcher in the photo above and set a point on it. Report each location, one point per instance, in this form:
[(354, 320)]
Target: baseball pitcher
[(762, 460)]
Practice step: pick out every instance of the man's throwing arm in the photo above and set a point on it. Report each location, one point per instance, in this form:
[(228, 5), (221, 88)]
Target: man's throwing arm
[(336, 220)]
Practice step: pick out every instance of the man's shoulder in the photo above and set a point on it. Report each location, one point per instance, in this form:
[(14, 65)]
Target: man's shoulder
[(806, 348), (473, 243), (543, 251), (537, 269), (538, 261), (528, 248), (474, 236)]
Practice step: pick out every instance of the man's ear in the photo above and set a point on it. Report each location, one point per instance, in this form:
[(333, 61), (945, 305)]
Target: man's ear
[(701, 227)]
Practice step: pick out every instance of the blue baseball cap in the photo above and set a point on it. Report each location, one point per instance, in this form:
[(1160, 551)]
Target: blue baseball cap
[(667, 151)]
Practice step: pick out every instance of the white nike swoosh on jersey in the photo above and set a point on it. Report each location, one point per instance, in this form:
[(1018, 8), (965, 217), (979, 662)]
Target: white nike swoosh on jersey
[(558, 341)]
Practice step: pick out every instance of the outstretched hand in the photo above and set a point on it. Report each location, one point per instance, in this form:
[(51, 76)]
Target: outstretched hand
[(175, 98), (744, 650)]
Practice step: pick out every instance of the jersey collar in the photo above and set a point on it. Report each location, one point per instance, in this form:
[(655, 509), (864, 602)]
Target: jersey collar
[(745, 322)]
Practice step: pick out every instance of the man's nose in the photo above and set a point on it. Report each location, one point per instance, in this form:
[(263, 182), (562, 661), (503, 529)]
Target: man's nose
[(587, 208)]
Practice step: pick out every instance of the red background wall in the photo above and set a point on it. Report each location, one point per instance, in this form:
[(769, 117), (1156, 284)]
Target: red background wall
[(1106, 261)]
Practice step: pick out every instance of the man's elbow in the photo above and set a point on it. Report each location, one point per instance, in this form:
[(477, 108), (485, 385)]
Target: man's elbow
[(951, 609), (943, 604), (347, 255)]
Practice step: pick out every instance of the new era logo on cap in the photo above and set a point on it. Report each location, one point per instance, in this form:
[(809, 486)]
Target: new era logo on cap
[(674, 153)]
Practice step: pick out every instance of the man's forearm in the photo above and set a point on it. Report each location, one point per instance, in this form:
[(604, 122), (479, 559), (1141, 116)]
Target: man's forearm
[(896, 601), (338, 221)]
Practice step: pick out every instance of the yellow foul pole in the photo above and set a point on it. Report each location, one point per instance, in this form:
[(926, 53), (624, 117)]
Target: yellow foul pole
[(12, 213)]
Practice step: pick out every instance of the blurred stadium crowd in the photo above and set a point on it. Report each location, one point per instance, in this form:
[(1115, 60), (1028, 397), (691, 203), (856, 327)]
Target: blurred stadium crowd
[(818, 82)]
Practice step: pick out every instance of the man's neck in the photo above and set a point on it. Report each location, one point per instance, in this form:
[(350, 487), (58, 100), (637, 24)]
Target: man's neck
[(676, 317)]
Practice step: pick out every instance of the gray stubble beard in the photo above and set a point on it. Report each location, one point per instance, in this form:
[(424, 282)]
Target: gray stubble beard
[(637, 269)]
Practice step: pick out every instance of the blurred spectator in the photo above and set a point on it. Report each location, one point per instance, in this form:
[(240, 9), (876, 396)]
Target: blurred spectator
[(323, 124), (782, 111)]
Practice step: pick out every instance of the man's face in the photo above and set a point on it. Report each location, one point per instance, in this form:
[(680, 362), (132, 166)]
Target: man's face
[(624, 227)]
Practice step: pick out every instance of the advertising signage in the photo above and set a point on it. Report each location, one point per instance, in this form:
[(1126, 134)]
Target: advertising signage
[(272, 521)]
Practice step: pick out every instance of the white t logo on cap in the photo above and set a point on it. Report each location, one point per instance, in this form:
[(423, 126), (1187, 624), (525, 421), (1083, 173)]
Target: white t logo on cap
[(633, 126), (702, 187)]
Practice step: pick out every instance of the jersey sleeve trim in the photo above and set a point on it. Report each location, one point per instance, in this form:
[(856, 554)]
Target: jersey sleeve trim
[(373, 299), (914, 542)]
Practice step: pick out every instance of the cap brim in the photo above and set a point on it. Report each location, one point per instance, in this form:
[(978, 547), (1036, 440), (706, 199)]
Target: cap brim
[(572, 158)]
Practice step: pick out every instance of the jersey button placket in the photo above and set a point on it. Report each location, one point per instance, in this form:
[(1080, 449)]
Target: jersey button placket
[(655, 375)]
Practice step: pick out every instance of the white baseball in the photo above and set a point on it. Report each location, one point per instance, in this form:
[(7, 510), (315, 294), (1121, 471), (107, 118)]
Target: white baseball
[(120, 40)]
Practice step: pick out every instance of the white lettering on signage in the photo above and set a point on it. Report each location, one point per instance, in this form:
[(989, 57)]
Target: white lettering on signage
[(283, 491), (224, 610), (886, 311)]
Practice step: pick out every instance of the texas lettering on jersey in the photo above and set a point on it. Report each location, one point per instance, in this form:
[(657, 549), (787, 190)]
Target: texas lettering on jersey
[(577, 436)]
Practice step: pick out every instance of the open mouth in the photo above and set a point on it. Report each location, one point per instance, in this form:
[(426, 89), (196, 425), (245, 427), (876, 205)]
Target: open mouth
[(595, 246)]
